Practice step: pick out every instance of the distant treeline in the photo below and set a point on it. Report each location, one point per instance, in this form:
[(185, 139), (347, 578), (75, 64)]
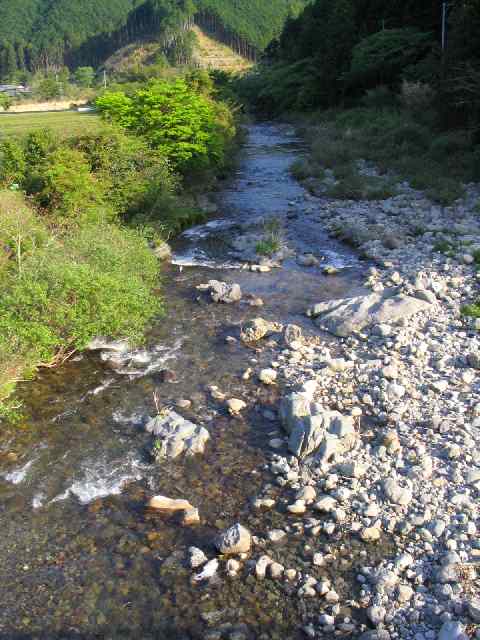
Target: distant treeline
[(38, 35)]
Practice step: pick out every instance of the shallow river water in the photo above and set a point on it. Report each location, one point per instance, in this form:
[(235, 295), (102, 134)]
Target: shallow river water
[(80, 557)]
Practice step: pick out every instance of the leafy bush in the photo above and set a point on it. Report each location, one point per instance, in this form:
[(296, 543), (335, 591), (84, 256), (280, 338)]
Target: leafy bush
[(69, 189), (60, 292), (380, 58), (38, 146), (449, 144), (416, 96), (186, 127), (379, 98), (134, 175), (12, 162)]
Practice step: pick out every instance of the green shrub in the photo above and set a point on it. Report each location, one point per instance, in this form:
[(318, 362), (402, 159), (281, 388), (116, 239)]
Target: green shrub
[(134, 175), (272, 239), (66, 290), (21, 232), (69, 190), (12, 162), (449, 144), (471, 310), (379, 98), (409, 137), (38, 146), (188, 128)]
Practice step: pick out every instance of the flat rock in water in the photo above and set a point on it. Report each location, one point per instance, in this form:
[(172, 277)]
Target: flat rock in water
[(175, 435), (169, 504), (349, 315)]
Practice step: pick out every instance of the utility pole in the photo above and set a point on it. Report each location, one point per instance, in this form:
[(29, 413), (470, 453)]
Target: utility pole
[(444, 25)]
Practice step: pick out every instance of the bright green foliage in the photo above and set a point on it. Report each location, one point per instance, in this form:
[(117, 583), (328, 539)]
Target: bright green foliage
[(12, 162), (180, 123), (5, 102), (84, 76), (58, 292)]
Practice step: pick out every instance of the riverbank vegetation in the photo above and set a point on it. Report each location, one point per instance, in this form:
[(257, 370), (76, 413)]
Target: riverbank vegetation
[(81, 214), (380, 81)]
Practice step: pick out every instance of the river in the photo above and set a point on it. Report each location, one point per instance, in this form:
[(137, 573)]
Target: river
[(80, 557)]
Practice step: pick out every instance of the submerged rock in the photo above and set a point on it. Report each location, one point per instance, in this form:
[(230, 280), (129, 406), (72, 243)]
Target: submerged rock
[(196, 557), (222, 291), (174, 435), (348, 315), (169, 504), (208, 571), (256, 329), (267, 376), (235, 406), (236, 539), (190, 517)]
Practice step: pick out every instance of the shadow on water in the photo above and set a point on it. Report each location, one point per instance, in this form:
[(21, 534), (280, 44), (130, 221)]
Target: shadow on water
[(80, 556)]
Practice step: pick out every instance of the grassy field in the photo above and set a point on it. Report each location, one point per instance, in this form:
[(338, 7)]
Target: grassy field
[(62, 122)]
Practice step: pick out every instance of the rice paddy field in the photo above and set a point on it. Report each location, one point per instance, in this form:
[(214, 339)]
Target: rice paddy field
[(63, 123)]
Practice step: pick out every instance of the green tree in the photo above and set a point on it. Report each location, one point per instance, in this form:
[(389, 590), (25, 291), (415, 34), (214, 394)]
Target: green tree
[(5, 101), (49, 89), (84, 76), (183, 125), (8, 62)]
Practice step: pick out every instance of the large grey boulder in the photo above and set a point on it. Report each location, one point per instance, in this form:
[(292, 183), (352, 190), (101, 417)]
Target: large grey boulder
[(348, 315), (311, 427), (452, 630), (222, 291), (175, 435)]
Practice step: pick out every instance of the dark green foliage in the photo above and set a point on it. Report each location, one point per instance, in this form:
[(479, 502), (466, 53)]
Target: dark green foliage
[(382, 58), (335, 50)]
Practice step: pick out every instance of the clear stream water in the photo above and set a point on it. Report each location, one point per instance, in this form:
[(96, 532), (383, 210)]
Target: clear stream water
[(80, 557)]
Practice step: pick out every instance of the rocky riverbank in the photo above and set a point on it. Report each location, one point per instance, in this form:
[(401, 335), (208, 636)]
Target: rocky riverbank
[(378, 433)]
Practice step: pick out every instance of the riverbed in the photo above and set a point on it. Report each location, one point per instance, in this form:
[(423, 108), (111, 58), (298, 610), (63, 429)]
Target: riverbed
[(80, 556)]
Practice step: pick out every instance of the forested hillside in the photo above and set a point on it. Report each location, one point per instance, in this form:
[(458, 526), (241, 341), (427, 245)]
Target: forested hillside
[(256, 22), (338, 49), (43, 35)]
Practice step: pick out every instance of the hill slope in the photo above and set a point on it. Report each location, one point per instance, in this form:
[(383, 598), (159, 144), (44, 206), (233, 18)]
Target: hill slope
[(45, 34)]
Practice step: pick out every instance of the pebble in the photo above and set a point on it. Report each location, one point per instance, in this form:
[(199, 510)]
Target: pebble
[(268, 376)]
